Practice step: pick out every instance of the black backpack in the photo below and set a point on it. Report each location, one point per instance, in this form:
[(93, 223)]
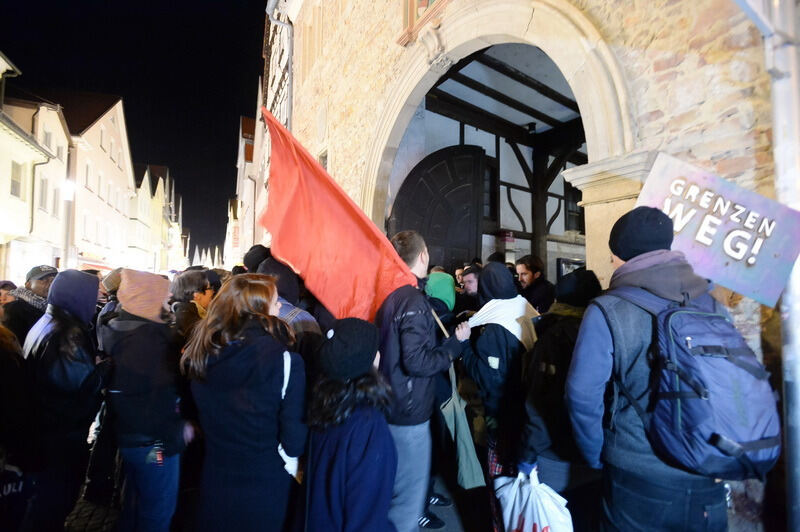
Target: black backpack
[(546, 378)]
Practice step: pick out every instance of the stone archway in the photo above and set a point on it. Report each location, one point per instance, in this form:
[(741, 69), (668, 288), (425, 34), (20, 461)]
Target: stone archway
[(558, 28)]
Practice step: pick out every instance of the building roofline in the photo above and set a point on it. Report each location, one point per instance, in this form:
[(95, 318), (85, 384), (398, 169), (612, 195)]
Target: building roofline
[(24, 135)]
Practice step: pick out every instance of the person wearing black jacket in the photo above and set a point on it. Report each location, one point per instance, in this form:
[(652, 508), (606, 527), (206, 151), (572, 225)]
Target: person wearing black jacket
[(64, 385), (144, 399), (237, 359), (193, 294), (547, 438), (535, 288), (409, 361), (29, 302)]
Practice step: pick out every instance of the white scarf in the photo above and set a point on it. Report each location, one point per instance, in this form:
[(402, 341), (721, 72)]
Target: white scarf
[(514, 315)]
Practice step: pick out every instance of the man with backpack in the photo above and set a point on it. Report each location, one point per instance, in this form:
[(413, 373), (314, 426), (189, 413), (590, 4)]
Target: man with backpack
[(688, 404)]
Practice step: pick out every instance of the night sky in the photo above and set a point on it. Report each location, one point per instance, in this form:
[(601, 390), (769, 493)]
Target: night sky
[(186, 72)]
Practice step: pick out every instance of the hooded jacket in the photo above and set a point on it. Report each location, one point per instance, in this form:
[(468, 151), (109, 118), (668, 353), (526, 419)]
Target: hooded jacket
[(624, 444), (63, 379), (493, 358), (410, 357)]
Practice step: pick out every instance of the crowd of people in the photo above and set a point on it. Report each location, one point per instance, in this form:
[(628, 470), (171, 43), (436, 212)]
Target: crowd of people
[(235, 401)]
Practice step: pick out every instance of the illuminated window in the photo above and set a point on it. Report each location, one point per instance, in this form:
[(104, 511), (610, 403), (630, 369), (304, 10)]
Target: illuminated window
[(16, 179)]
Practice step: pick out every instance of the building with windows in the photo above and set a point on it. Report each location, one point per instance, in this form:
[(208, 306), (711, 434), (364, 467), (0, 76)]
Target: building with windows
[(22, 182), (101, 168), (523, 125)]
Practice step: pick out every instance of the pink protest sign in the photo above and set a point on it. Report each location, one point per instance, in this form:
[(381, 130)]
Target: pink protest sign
[(733, 236)]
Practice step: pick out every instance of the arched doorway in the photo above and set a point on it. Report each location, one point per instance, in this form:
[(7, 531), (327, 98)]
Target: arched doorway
[(487, 146), (556, 27)]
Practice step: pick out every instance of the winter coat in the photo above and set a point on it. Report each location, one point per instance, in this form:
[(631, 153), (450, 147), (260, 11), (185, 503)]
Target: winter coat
[(64, 382), (410, 357), (243, 418), (624, 444), (546, 425), (22, 313), (144, 387), (350, 475), (540, 294)]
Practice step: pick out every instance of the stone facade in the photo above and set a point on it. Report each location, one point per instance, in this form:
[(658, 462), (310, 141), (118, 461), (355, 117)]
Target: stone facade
[(685, 78)]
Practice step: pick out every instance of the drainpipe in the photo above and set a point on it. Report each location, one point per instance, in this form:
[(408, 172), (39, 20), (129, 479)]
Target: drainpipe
[(783, 64), (33, 179), (271, 4)]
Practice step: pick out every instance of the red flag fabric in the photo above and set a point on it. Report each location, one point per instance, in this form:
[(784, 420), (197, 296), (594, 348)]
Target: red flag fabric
[(346, 262)]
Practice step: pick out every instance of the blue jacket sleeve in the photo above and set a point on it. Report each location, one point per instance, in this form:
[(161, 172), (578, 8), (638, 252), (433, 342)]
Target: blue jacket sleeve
[(589, 372)]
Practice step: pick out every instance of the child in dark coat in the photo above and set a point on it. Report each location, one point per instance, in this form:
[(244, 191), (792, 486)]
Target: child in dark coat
[(351, 457)]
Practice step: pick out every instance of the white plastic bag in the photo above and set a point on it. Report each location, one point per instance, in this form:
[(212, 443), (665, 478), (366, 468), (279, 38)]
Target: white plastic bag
[(530, 506)]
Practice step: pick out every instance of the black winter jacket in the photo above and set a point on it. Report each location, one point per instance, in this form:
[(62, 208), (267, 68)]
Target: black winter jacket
[(493, 359), (410, 357), (19, 316), (64, 383), (144, 386), (546, 426)]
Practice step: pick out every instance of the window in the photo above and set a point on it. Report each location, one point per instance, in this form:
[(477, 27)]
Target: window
[(16, 179), (43, 193), (111, 152), (100, 185), (48, 139), (103, 138), (119, 159), (323, 160), (85, 226), (573, 213), (109, 194), (86, 176), (60, 153), (56, 202), (97, 228)]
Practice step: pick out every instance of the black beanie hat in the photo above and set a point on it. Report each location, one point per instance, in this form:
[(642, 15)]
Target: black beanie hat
[(577, 288), (640, 231), (349, 350), (255, 256)]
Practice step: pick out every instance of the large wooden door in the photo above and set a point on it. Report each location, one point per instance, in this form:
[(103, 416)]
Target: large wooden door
[(442, 199)]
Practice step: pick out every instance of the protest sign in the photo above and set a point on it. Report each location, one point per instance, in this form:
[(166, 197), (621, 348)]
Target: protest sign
[(733, 236)]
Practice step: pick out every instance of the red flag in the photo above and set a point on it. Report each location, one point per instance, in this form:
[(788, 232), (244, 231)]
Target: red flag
[(346, 262)]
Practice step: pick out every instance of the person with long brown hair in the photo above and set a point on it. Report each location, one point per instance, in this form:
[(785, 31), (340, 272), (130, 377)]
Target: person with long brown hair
[(237, 358)]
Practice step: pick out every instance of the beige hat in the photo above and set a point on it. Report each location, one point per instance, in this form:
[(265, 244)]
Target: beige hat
[(143, 294), (111, 281)]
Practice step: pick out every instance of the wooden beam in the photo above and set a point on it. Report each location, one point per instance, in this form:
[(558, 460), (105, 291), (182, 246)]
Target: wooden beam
[(504, 99), (567, 134), (578, 158), (521, 77), (438, 101), (526, 170)]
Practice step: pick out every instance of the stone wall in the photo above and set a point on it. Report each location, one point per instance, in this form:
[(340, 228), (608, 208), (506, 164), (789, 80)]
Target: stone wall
[(693, 85)]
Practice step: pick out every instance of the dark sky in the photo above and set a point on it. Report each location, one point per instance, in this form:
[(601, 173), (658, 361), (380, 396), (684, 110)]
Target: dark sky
[(186, 72)]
